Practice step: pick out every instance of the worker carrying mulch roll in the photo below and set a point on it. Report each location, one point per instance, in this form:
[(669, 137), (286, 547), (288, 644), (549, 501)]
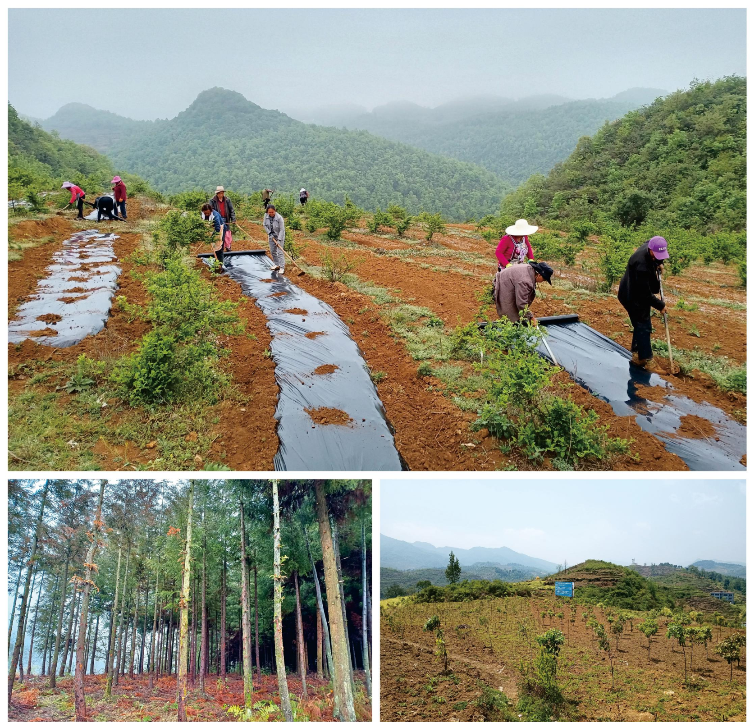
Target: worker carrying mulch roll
[(515, 289), (637, 294)]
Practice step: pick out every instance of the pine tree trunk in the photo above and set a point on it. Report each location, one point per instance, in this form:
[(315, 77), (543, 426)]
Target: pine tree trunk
[(26, 624), (143, 630), (193, 635), (257, 647), (341, 661), (74, 636), (365, 655), (152, 645), (301, 661), (79, 693), (93, 645), (50, 617), (339, 570), (205, 648), (119, 637), (286, 706), (223, 642), (25, 598), (113, 629), (326, 635), (184, 602), (66, 643), (134, 641), (319, 638), (13, 608), (247, 662)]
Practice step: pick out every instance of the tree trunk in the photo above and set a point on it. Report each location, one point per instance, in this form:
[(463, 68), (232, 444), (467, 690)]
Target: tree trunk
[(223, 642), (93, 646), (25, 598), (257, 647), (184, 602), (341, 661), (247, 662), (301, 661), (152, 645), (277, 635), (365, 655), (133, 643), (13, 608), (26, 624), (90, 567), (143, 630), (113, 629), (324, 623), (193, 636), (58, 636), (49, 624), (205, 648), (120, 626), (319, 645), (73, 637), (350, 647)]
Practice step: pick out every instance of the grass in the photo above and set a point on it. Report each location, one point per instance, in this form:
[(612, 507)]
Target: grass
[(728, 375), (16, 249)]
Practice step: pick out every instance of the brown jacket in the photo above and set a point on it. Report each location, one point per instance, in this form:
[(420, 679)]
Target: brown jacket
[(515, 289)]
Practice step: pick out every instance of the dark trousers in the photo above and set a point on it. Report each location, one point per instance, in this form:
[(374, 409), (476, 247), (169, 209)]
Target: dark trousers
[(642, 330), (120, 205), (79, 205), (266, 201)]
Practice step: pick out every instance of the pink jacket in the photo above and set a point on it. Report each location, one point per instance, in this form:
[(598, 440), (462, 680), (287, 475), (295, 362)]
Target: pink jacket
[(504, 250), (75, 193)]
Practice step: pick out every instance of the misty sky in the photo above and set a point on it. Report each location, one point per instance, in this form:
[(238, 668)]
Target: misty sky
[(679, 522), (146, 64)]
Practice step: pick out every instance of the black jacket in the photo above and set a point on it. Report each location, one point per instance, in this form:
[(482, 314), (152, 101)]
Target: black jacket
[(230, 208), (640, 284)]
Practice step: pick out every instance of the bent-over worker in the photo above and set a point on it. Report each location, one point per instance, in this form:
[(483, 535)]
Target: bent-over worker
[(274, 225), (514, 246), (105, 206), (515, 289), (266, 196), (637, 294), (76, 196)]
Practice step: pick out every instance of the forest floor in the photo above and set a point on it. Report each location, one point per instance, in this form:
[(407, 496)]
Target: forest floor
[(132, 701), (394, 283), (486, 647)]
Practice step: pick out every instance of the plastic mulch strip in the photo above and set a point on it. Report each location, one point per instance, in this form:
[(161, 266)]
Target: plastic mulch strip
[(330, 417), (73, 301), (603, 367)]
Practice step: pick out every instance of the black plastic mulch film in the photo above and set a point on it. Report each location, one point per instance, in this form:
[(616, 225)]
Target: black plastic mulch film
[(84, 262), (603, 367), (366, 442)]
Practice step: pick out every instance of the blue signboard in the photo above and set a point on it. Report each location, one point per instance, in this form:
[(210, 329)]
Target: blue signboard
[(564, 589)]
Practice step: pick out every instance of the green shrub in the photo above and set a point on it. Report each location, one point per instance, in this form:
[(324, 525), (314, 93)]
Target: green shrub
[(493, 705), (379, 219), (85, 376), (614, 255), (403, 225), (433, 223), (337, 265), (180, 229), (189, 200), (150, 375)]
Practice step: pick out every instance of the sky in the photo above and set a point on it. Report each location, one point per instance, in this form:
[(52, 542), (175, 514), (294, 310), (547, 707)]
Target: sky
[(148, 64), (679, 522)]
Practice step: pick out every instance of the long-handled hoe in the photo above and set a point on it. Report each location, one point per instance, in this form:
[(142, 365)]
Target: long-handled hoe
[(666, 327), (300, 271)]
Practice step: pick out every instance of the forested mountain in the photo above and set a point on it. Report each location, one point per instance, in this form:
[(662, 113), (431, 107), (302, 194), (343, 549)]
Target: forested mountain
[(402, 555), (725, 568), (223, 138), (514, 139), (38, 159), (679, 162)]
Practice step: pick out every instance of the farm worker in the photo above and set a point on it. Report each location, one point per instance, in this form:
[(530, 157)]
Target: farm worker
[(303, 196), (637, 294), (105, 205), (121, 195), (515, 288), (76, 196), (514, 246), (266, 196), (220, 227), (274, 225), (221, 202)]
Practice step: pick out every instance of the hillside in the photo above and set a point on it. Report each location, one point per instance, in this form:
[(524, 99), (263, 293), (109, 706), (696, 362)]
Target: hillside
[(726, 568), (514, 139), (401, 555), (407, 579), (224, 138), (678, 162), (38, 160)]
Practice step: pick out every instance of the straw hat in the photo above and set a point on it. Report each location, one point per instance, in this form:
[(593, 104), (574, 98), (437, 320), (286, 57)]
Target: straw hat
[(521, 228), (219, 189)]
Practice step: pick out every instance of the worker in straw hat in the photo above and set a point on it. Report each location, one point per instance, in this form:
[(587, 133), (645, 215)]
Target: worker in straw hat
[(515, 289), (637, 293), (514, 246)]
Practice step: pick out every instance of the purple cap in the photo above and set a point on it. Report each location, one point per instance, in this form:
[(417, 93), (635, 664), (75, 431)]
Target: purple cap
[(659, 247)]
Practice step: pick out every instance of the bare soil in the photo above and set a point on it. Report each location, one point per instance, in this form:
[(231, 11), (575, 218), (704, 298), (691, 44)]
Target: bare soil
[(325, 415)]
